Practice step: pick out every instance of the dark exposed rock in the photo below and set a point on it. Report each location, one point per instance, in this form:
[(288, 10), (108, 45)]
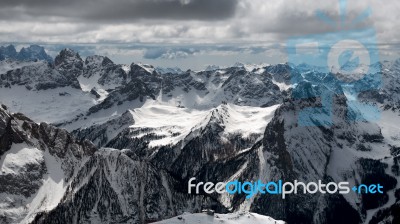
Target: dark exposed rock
[(69, 63), (101, 134), (108, 74), (387, 215), (40, 75), (95, 93), (31, 53), (373, 172), (23, 177), (8, 52)]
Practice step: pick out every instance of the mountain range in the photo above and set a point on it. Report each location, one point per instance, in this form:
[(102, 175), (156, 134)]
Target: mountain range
[(31, 53), (86, 140)]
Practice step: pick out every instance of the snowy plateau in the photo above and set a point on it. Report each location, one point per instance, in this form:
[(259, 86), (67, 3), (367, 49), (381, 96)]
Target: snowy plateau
[(86, 140)]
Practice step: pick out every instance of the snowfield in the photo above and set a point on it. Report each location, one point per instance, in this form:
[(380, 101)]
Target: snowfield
[(50, 106), (232, 218), (15, 160)]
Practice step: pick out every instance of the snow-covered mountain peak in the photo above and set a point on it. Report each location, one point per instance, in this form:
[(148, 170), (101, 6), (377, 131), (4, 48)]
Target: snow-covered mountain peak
[(242, 120), (68, 62), (147, 67), (139, 69), (67, 55), (212, 67), (32, 53), (94, 60), (151, 118)]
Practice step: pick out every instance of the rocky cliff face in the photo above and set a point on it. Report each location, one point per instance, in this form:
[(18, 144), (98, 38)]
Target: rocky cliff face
[(69, 63), (111, 187), (36, 162), (33, 53), (341, 152), (37, 76)]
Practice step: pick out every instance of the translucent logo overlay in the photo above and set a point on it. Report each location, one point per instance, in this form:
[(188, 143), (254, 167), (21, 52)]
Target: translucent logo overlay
[(345, 62)]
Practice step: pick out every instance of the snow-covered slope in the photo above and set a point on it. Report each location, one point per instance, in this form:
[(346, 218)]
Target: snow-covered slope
[(52, 105), (8, 65), (170, 124), (233, 218), (37, 161), (243, 120), (44, 92)]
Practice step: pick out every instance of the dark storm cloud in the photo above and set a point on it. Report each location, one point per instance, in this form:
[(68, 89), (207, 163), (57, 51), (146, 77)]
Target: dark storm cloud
[(294, 23), (301, 23), (120, 10), (183, 28)]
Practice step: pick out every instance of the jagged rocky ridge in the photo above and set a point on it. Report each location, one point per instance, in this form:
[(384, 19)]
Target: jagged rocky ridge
[(116, 183), (38, 76), (31, 53)]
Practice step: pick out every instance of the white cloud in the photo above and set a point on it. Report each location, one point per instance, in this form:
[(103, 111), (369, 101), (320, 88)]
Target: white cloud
[(248, 23)]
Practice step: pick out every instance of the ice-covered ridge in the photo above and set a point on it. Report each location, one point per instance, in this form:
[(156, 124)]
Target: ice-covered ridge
[(166, 120), (147, 67), (173, 123), (245, 120)]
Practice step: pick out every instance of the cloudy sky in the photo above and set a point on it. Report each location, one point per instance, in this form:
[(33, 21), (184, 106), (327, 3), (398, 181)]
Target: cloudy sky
[(194, 33)]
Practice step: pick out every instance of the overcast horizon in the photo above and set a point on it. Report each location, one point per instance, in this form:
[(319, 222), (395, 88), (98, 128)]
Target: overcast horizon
[(188, 33)]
